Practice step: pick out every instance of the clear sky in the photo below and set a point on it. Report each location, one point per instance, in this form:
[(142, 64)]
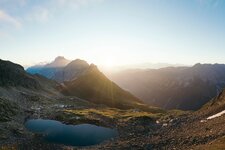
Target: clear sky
[(113, 32)]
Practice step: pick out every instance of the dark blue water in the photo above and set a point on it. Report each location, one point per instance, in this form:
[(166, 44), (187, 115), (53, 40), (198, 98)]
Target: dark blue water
[(73, 135)]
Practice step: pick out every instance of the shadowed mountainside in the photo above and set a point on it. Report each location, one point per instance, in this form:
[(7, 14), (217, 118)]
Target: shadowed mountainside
[(94, 86), (15, 75), (15, 81), (186, 88)]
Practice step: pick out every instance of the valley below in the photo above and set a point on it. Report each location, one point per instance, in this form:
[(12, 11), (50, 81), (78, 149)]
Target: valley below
[(137, 129)]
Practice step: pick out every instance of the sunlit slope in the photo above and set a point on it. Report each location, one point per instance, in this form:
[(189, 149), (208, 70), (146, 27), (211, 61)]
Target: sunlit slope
[(216, 105), (96, 87)]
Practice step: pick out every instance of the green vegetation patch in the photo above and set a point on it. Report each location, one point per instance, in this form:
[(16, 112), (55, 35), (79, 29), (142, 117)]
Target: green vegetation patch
[(113, 113)]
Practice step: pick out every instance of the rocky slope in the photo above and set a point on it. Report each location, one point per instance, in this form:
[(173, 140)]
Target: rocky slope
[(157, 130), (14, 75), (183, 130), (21, 94), (16, 85)]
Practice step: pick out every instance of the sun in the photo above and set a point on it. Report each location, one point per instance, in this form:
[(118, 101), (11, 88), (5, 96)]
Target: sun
[(109, 62)]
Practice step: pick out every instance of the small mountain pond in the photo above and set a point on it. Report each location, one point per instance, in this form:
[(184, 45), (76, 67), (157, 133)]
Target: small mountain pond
[(71, 135)]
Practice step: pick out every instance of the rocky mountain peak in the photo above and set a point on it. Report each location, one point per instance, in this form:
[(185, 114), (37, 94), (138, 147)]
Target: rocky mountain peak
[(77, 63), (59, 61)]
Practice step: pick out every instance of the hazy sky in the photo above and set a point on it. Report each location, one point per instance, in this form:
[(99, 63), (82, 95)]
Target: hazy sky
[(113, 32)]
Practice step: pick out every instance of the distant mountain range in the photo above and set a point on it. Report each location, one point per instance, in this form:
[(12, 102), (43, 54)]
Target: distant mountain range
[(49, 70), (186, 88), (85, 81), (60, 69)]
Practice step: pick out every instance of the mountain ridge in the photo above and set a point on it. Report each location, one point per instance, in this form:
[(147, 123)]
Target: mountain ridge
[(72, 70), (85, 81), (186, 88), (48, 70), (94, 86), (14, 75)]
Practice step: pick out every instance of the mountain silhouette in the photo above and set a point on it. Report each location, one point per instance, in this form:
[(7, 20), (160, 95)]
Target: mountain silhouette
[(14, 75), (94, 86)]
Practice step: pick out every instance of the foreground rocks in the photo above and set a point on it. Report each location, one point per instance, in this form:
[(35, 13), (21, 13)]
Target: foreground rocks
[(137, 129)]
